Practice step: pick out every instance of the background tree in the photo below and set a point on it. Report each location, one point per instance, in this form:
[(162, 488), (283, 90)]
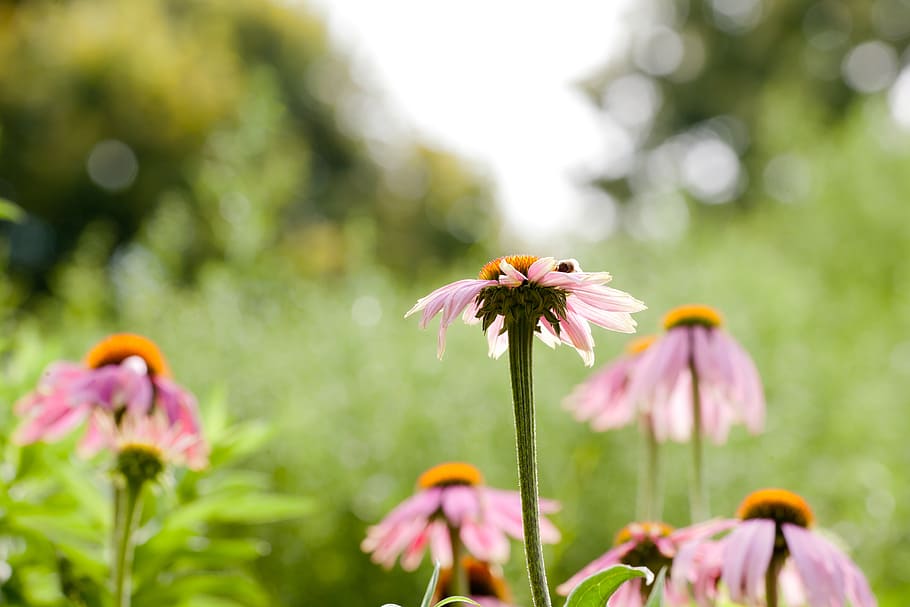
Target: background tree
[(236, 126), (695, 101)]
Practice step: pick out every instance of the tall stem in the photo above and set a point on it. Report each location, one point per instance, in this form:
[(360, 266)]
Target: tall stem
[(521, 337), (649, 494), (459, 583), (771, 594), (127, 521), (698, 500)]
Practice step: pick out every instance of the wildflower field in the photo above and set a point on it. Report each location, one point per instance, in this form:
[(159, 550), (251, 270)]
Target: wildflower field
[(263, 345), (323, 406)]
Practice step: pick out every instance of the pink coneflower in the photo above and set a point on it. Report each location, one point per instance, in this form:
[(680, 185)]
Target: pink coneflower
[(646, 544), (696, 347), (123, 373), (452, 503), (694, 381), (484, 584), (771, 546), (562, 298)]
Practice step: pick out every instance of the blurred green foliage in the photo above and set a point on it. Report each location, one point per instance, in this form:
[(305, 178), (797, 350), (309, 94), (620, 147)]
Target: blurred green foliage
[(234, 123), (271, 247), (696, 70), (816, 291)]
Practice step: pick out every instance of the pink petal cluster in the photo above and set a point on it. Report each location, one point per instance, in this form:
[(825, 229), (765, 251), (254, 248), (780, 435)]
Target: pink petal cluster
[(647, 536), (69, 394), (588, 301), (729, 386), (481, 516), (815, 574), (155, 431)]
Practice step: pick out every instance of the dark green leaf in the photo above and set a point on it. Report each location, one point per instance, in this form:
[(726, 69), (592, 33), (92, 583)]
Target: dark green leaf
[(595, 590)]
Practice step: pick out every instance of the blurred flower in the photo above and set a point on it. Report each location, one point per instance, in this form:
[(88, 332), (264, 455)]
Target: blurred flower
[(771, 546), (123, 374), (646, 544), (697, 349), (484, 581), (146, 444), (558, 294), (452, 504), (604, 398)]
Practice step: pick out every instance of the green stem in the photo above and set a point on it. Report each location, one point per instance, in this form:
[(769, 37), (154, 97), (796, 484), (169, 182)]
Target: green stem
[(459, 583), (698, 499), (649, 494), (771, 594), (521, 337), (129, 508), (117, 522)]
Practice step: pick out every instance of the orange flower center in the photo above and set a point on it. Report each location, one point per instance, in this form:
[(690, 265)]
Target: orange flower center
[(450, 473), (482, 581), (693, 314), (640, 344), (779, 505), (116, 348), (491, 270), (650, 529)]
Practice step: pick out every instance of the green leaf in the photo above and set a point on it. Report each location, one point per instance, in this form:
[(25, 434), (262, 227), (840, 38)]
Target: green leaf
[(10, 211), (656, 599), (595, 590), (431, 587), (456, 599)]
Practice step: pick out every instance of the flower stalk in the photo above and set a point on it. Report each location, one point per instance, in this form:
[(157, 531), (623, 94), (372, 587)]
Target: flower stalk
[(698, 499), (127, 510), (649, 494), (521, 329), (771, 593), (459, 583)]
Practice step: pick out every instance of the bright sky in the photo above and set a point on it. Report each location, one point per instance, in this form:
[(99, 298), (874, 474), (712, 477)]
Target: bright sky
[(492, 81)]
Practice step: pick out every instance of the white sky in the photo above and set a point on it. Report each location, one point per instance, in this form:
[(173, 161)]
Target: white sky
[(492, 81)]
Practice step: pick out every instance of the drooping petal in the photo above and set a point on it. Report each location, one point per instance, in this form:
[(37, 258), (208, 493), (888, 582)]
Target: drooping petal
[(747, 556), (413, 554), (497, 339), (698, 565), (440, 543), (577, 332), (485, 541), (618, 321), (659, 367), (460, 502), (451, 299), (393, 544), (602, 399), (819, 564)]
